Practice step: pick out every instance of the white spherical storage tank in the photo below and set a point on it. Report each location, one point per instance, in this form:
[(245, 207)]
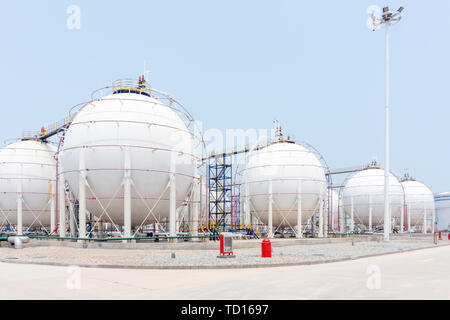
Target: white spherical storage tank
[(363, 198), (125, 151), (27, 183), (419, 205), (290, 178), (442, 204)]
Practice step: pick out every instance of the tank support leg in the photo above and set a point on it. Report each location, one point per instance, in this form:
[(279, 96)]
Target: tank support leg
[(433, 218), (424, 228), (408, 215), (195, 206), (299, 216), (370, 214), (172, 198), (320, 235), (52, 212), (352, 217), (247, 206), (390, 219), (325, 218), (72, 220), (127, 195), (62, 203), (402, 218), (82, 198), (299, 211), (270, 216), (19, 209)]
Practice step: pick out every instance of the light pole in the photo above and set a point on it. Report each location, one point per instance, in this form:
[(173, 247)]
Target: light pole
[(387, 18)]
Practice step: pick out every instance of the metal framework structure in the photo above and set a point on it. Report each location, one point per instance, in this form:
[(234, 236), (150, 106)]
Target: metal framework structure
[(220, 185), (236, 205)]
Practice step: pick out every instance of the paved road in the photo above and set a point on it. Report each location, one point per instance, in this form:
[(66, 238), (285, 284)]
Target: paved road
[(422, 274)]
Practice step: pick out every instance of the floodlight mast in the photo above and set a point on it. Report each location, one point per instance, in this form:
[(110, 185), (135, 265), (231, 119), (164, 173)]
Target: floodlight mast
[(387, 18)]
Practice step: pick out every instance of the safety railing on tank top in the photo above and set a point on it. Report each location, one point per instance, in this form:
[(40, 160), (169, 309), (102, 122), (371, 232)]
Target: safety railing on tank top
[(141, 87), (131, 86)]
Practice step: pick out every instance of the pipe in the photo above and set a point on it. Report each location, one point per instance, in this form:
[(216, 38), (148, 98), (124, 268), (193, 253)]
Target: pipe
[(18, 241), (123, 238)]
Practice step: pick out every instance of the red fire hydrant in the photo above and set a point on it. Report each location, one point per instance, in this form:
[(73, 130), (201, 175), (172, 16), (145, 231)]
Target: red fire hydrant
[(266, 248), (440, 235)]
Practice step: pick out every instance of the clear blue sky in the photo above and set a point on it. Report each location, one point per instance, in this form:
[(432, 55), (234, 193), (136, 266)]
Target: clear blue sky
[(313, 65)]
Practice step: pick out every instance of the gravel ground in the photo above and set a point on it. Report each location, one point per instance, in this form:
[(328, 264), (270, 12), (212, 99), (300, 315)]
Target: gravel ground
[(282, 255), (293, 254)]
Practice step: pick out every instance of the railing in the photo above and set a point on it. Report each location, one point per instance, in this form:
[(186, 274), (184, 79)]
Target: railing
[(141, 87), (131, 85), (354, 169), (248, 148), (47, 131)]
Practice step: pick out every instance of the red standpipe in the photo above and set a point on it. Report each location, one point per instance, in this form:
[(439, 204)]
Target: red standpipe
[(266, 248)]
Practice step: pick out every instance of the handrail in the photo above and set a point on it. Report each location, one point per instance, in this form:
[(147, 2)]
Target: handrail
[(131, 85), (47, 130)]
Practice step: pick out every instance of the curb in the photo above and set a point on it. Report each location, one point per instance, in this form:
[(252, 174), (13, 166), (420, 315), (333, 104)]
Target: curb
[(112, 266)]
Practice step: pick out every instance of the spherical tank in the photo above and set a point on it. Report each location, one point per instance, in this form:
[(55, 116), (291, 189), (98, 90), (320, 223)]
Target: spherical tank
[(288, 172), (27, 168), (128, 136), (364, 193), (419, 203), (442, 203)]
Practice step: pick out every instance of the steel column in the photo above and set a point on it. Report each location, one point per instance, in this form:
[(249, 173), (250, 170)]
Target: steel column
[(172, 198), (20, 207), (270, 217), (127, 194), (61, 202), (82, 197), (299, 211)]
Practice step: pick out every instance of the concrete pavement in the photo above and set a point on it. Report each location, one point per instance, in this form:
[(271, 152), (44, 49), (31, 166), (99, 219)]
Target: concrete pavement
[(422, 274)]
